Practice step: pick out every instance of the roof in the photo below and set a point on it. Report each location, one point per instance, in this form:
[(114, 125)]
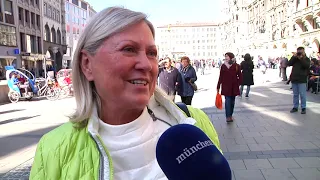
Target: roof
[(188, 25)]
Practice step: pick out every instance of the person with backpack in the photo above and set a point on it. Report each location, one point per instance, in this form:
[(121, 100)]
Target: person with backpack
[(230, 79), (247, 73)]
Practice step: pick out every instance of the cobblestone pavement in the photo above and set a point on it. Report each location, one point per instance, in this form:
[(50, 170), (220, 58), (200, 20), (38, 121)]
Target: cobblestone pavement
[(21, 172), (265, 142)]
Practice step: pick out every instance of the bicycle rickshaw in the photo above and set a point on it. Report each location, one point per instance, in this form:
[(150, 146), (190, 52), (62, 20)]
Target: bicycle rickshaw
[(64, 79), (25, 86)]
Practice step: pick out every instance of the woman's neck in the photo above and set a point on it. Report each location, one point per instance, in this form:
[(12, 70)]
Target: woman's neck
[(114, 115)]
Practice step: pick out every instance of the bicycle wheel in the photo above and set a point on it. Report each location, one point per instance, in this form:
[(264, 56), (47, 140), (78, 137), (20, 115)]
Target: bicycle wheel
[(13, 96), (64, 92), (52, 94)]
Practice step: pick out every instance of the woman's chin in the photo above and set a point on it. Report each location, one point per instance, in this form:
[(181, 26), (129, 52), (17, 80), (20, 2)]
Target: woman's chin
[(139, 100)]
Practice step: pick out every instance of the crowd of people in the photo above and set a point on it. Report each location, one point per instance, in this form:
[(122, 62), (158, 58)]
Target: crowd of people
[(235, 77)]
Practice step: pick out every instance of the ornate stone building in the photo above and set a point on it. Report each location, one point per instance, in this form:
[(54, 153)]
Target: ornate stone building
[(235, 34), (54, 44), (274, 27), (306, 25)]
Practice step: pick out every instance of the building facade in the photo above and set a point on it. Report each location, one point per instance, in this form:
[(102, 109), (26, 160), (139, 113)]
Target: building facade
[(195, 40), (20, 34), (306, 26), (277, 27), (235, 34), (54, 44), (78, 13), (8, 35)]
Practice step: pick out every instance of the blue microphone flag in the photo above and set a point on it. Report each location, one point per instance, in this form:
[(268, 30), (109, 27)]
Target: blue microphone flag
[(185, 152)]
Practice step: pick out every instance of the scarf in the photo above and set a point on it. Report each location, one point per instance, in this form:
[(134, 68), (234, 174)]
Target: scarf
[(185, 69), (227, 64)]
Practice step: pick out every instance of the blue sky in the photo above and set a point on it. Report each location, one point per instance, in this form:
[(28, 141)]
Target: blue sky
[(168, 11)]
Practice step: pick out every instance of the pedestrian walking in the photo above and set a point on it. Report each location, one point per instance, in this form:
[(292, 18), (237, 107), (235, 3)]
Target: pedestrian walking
[(300, 70), (169, 78), (230, 79), (247, 74), (203, 66), (263, 68), (189, 77), (283, 68)]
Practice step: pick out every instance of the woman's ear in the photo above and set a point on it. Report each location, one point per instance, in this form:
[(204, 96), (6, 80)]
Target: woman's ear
[(86, 64)]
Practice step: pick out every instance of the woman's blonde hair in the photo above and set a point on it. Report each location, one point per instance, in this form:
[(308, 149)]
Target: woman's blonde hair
[(101, 26)]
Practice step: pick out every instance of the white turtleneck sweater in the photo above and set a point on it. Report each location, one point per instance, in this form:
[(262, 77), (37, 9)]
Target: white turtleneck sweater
[(132, 146)]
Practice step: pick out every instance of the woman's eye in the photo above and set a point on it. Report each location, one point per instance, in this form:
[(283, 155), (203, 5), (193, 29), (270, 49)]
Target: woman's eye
[(129, 49), (152, 53)]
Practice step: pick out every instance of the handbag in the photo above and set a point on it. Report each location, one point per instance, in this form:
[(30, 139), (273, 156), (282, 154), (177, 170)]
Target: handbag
[(194, 86), (218, 101)]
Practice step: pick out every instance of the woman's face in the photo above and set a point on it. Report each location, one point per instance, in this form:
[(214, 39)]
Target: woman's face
[(124, 69), (227, 58), (184, 62)]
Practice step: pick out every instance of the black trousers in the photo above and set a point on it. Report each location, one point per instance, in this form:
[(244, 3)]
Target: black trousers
[(284, 74), (186, 99)]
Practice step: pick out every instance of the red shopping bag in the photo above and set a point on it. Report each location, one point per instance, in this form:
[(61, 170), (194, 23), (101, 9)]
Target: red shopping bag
[(219, 101)]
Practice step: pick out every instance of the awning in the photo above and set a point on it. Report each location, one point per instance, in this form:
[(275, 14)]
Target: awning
[(8, 57)]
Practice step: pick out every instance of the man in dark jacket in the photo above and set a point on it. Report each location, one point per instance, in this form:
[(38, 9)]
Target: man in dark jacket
[(300, 68), (169, 78), (283, 68)]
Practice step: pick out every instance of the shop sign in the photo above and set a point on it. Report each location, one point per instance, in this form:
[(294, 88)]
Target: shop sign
[(25, 54), (16, 51)]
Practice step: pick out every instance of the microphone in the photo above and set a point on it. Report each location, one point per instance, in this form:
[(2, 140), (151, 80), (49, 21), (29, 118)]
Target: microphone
[(185, 152)]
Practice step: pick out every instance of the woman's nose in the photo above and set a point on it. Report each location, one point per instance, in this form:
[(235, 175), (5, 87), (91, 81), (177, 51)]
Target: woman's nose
[(143, 62)]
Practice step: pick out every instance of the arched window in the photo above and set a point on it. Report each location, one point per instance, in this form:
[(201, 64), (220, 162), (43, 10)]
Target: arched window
[(58, 37), (47, 34), (53, 37)]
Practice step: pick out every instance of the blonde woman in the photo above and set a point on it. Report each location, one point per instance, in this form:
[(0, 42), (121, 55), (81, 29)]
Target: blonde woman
[(120, 112)]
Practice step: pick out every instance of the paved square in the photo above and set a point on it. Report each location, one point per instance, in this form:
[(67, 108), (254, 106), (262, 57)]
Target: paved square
[(265, 142)]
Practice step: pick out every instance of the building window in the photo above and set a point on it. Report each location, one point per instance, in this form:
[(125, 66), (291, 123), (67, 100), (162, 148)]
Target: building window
[(38, 21), (49, 11), (58, 37), (8, 36), (45, 8), (8, 12), (32, 19), (39, 45), (75, 2), (20, 14), (58, 16), (37, 3), (1, 17), (67, 7), (53, 13), (27, 16), (22, 42), (83, 5)]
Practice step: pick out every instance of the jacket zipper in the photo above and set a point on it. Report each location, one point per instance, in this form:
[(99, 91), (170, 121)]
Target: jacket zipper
[(109, 158), (104, 157)]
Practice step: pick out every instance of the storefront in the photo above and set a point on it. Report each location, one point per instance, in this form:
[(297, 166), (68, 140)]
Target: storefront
[(6, 61), (33, 63), (8, 45)]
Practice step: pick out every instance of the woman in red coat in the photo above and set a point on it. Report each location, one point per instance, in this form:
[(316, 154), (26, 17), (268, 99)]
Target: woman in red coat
[(230, 79)]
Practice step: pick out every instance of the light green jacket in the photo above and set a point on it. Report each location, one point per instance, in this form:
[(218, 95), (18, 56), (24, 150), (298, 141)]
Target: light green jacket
[(71, 153)]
